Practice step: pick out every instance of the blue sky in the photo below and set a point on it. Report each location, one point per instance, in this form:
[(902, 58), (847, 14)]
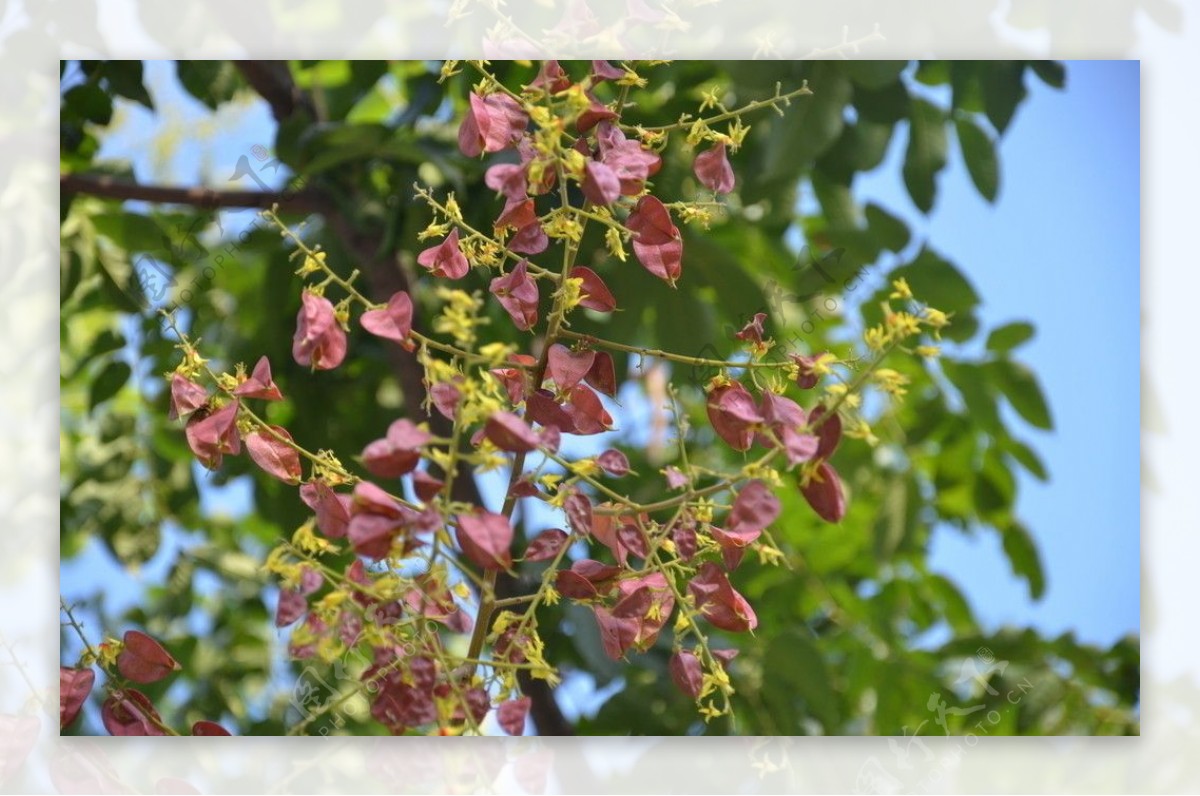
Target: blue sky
[(1060, 248)]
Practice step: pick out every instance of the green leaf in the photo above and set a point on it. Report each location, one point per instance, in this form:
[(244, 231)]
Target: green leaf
[(892, 522), (979, 152), (837, 203), (1003, 90), (133, 232), (966, 92), (955, 608), (211, 82), (1052, 73), (926, 155), (874, 74), (861, 147), (789, 143), (933, 73), (887, 105), (105, 342), (938, 282), (333, 144), (995, 487), (891, 231), (1026, 457), (1023, 556), (798, 670), (1009, 336), (125, 78), (108, 383), (972, 384), (1021, 388), (89, 102), (822, 272)]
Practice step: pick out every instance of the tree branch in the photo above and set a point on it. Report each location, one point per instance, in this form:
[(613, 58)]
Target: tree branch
[(205, 198), (273, 82)]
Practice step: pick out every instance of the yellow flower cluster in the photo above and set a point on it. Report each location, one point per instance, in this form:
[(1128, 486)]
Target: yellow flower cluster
[(459, 315), (891, 382), (483, 251), (696, 214), (898, 326), (563, 224), (859, 428), (305, 540), (840, 392), (571, 293), (615, 243)]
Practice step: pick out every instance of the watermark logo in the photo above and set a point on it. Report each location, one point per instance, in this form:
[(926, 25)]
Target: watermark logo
[(322, 702), (156, 275), (915, 767)]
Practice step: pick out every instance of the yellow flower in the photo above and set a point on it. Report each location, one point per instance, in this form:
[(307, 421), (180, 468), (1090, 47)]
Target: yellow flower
[(651, 138), (768, 475), (937, 319), (696, 214), (496, 353), (457, 318), (929, 350), (771, 556), (434, 230), (682, 622), (571, 292), (902, 324), (576, 100), (697, 132), (876, 338), (616, 246), (821, 365), (902, 290), (710, 99), (737, 134), (891, 381), (573, 162), (631, 78), (585, 467), (563, 224), (861, 429), (452, 208), (305, 540), (312, 264)]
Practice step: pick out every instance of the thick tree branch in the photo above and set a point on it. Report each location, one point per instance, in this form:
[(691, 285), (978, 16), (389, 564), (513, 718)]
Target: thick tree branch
[(205, 198), (273, 82)]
